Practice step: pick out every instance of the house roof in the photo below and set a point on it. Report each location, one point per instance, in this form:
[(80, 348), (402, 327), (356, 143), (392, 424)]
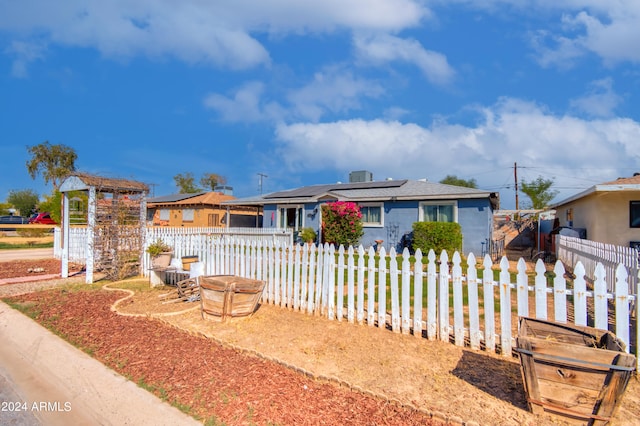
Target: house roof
[(621, 184), (173, 198), (369, 191), (83, 181), (202, 198)]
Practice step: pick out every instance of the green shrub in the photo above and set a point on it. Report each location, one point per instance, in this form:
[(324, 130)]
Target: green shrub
[(438, 236), (158, 247), (308, 235)]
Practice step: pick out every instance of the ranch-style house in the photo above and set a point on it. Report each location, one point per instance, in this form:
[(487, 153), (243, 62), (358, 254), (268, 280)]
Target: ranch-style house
[(389, 209)]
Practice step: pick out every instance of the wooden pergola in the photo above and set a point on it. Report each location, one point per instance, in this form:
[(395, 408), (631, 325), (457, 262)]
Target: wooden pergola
[(116, 223)]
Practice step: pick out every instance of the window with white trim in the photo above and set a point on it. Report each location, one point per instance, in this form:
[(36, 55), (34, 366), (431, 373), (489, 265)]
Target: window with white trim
[(438, 211), (372, 214), (290, 217)]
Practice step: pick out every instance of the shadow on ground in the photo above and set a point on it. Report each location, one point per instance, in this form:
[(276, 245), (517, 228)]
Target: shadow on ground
[(499, 378)]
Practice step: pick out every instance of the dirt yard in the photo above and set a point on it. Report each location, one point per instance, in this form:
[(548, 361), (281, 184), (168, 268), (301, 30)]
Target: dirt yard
[(286, 367)]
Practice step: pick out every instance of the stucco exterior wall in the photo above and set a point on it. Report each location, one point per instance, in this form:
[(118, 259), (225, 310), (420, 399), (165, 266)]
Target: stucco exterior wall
[(605, 216), (474, 216)]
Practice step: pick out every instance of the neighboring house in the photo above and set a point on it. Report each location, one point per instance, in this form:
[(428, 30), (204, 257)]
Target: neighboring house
[(389, 209), (609, 212), (201, 209)]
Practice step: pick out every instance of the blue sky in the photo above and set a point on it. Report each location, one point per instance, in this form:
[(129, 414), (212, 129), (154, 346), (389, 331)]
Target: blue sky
[(305, 92)]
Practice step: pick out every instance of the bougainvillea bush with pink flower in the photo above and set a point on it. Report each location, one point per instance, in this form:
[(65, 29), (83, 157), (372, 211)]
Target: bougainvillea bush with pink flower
[(341, 223)]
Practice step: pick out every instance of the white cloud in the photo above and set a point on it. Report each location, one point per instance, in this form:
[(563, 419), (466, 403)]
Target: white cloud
[(220, 33), (600, 101), (609, 29), (613, 35), (383, 48), (334, 90), (24, 53), (510, 131), (246, 105)]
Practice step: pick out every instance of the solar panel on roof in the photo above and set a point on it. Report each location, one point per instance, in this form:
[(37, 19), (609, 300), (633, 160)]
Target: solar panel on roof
[(310, 191)]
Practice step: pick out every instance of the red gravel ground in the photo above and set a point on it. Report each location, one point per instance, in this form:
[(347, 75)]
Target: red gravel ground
[(211, 382), (33, 268)]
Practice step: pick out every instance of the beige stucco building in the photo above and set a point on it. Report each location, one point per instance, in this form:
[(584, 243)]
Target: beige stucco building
[(610, 212)]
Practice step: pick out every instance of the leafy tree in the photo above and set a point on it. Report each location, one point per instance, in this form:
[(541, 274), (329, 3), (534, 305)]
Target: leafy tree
[(4, 209), (54, 162), (455, 180), (539, 191), (186, 183), (52, 204), (211, 180), (341, 223), (25, 201)]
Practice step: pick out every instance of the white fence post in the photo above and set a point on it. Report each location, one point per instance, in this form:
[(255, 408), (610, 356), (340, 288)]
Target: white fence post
[(505, 307), (417, 294), (371, 288), (474, 315), (458, 305)]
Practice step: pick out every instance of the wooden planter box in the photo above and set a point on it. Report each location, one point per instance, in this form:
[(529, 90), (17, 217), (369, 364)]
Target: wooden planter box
[(228, 296), (572, 371), (187, 261)]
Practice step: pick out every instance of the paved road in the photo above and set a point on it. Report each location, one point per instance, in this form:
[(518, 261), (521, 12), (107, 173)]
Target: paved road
[(22, 254)]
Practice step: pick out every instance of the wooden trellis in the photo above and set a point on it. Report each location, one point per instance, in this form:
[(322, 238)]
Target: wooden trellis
[(116, 216)]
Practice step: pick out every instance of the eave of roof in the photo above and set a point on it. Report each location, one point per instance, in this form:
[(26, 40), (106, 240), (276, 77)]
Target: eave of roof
[(621, 184)]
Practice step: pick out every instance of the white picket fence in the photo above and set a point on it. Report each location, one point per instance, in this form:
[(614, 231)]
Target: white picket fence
[(375, 289), (183, 239), (572, 250), (77, 244)]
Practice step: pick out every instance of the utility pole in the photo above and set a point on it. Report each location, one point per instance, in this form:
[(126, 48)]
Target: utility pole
[(262, 176), (515, 178)]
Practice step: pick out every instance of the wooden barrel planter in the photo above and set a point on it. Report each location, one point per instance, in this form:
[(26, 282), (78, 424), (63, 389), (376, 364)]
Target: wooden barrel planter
[(576, 372), (229, 296)]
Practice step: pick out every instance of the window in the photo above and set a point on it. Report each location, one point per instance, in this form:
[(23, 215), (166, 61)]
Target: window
[(371, 214), (634, 214), (164, 214), (187, 215), (438, 212), (290, 217)]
